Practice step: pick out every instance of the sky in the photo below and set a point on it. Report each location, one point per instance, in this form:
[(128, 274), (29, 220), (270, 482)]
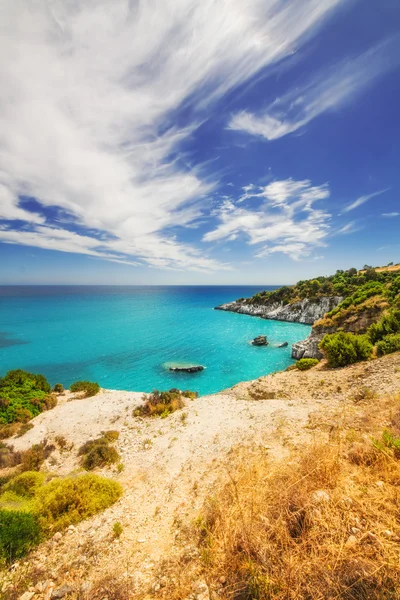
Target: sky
[(185, 142)]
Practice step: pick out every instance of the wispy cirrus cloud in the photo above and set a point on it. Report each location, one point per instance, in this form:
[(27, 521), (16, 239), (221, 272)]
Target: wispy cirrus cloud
[(87, 111), (391, 215), (326, 91), (363, 199), (286, 221)]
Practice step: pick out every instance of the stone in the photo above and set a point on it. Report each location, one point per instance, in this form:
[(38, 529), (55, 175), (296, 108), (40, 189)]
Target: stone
[(27, 596), (355, 530), (387, 533), (260, 340), (201, 591), (320, 497), (380, 484), (61, 592), (189, 369), (351, 540), (283, 345), (57, 536)]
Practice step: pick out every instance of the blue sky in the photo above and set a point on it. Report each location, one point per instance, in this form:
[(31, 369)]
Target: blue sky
[(210, 142)]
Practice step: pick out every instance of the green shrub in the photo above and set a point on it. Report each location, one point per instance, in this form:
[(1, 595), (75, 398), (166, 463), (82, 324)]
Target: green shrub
[(23, 395), (387, 325), (58, 388), (163, 403), (25, 484), (306, 363), (19, 532), (62, 502), (343, 349), (390, 343), (98, 453), (117, 529), (89, 387), (110, 435)]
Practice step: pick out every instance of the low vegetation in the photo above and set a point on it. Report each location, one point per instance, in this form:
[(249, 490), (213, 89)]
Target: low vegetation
[(163, 403), (321, 525), (89, 388), (354, 284), (99, 452), (32, 509), (306, 363), (343, 349), (23, 396)]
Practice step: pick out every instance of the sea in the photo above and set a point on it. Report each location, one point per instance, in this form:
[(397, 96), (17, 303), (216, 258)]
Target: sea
[(126, 337)]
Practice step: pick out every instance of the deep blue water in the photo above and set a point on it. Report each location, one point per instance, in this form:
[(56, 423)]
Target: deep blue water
[(123, 336)]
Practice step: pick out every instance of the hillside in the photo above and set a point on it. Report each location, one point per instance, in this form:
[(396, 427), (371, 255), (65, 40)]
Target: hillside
[(349, 301), (177, 469)]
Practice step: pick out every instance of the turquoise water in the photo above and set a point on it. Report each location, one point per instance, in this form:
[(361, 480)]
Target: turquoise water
[(123, 336)]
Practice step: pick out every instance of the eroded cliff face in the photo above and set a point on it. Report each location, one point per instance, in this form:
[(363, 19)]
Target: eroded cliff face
[(305, 311)]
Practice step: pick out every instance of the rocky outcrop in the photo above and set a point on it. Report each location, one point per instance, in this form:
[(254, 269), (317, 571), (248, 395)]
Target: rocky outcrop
[(260, 340), (304, 311), (189, 369), (308, 348)]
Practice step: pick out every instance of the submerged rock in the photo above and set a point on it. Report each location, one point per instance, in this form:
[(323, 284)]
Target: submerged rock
[(283, 345), (260, 340), (188, 369)]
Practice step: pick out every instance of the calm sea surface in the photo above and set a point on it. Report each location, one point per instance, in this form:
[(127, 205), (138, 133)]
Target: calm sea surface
[(123, 337)]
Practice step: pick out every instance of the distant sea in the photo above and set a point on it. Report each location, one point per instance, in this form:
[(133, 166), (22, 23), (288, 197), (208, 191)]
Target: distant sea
[(123, 337)]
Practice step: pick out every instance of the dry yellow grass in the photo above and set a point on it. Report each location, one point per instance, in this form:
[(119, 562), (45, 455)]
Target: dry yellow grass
[(323, 525)]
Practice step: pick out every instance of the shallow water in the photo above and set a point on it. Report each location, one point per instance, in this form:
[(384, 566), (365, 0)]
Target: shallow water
[(124, 337)]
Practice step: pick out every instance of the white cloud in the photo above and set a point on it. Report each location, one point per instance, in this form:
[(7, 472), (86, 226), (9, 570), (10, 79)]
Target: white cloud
[(327, 91), (9, 209), (286, 220), (391, 215), (88, 95), (362, 200)]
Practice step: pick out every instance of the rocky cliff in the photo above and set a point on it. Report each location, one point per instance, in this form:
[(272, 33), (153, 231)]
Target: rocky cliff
[(306, 311)]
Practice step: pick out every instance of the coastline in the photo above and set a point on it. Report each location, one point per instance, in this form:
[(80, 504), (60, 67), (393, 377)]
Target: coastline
[(171, 465), (306, 312)]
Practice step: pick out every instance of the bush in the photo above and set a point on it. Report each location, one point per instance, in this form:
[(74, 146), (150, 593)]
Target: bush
[(25, 427), (388, 324), (98, 453), (89, 387), (163, 403), (306, 363), (7, 431), (117, 529), (390, 343), (343, 349), (33, 458), (62, 502), (23, 395), (58, 388), (19, 532), (25, 484), (8, 457)]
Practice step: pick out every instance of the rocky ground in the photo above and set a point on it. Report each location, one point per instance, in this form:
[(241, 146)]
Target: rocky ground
[(171, 465)]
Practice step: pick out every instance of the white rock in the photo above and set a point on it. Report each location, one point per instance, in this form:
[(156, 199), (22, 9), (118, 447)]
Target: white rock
[(351, 540), (27, 596), (57, 536), (387, 533), (320, 497)]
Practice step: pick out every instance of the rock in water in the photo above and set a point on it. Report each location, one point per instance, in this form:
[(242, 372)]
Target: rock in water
[(260, 340), (283, 345), (191, 369)]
